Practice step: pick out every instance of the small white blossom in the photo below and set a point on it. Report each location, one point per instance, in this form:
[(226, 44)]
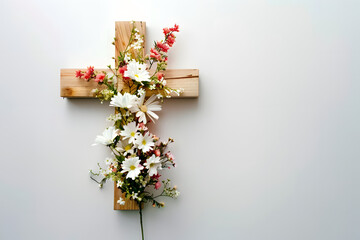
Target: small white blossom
[(134, 195), (176, 194), (121, 201), (108, 161), (140, 92), (114, 117), (119, 183), (127, 57)]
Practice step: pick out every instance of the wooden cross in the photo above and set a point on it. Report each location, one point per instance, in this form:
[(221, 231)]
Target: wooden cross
[(72, 87)]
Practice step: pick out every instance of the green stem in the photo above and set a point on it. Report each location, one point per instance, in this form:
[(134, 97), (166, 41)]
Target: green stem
[(141, 221)]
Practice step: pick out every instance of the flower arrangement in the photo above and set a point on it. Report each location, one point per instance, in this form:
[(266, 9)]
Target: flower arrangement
[(138, 156)]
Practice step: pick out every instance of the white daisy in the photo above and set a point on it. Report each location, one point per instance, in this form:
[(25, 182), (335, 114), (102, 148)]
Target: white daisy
[(145, 143), (137, 71), (124, 101), (125, 148), (130, 132), (148, 108), (132, 166), (107, 136), (153, 164), (121, 201)]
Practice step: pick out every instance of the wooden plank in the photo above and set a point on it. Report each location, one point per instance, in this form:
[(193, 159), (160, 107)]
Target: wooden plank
[(72, 87), (129, 204), (123, 32), (122, 37)]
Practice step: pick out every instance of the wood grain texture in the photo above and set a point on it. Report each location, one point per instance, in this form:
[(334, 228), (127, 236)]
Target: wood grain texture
[(129, 204), (122, 37), (72, 87)]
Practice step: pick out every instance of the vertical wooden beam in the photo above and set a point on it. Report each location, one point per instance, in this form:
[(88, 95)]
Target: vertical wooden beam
[(122, 37)]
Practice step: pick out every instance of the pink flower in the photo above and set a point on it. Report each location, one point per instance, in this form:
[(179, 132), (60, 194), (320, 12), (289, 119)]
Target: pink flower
[(157, 152), (170, 40), (78, 74), (142, 126), (170, 156), (100, 77), (155, 54), (163, 47), (175, 28), (159, 75), (157, 185)]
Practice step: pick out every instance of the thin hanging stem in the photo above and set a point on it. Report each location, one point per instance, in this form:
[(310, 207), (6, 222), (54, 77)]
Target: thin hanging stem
[(141, 221)]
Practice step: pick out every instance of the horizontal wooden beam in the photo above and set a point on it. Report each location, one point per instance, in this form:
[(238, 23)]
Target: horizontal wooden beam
[(72, 87)]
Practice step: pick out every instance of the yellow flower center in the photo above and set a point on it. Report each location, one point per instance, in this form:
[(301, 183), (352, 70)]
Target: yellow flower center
[(143, 108), (143, 142), (152, 165), (128, 147), (133, 134), (132, 167), (137, 76)]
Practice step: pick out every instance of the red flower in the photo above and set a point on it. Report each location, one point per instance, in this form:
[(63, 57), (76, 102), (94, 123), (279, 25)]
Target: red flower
[(175, 28), (163, 47), (160, 75), (100, 77), (155, 54), (90, 70), (166, 31), (78, 74), (122, 71), (87, 75), (170, 40), (157, 176)]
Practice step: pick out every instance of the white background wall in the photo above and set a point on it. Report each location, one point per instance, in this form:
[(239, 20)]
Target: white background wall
[(270, 150)]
